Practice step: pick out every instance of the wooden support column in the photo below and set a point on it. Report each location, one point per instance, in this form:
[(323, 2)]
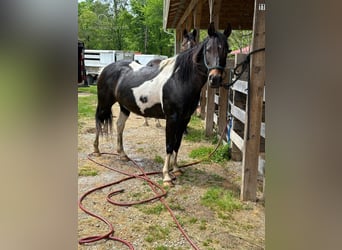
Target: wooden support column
[(257, 78), (223, 104), (178, 39), (210, 109)]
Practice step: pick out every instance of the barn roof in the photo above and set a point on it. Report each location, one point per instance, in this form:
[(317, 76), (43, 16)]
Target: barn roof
[(239, 13)]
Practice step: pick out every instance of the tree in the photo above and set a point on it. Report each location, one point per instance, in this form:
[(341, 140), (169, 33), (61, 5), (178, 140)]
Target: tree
[(124, 25)]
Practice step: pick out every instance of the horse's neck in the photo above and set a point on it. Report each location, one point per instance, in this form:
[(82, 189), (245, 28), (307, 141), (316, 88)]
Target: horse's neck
[(201, 73)]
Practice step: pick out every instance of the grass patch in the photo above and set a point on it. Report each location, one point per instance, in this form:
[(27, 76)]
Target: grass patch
[(87, 171), (220, 156), (158, 159), (90, 90), (196, 131), (193, 220), (156, 232), (203, 225), (221, 200), (154, 209), (87, 106)]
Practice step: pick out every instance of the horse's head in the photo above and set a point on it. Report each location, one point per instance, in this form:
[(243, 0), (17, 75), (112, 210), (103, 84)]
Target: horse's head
[(189, 40), (215, 53)]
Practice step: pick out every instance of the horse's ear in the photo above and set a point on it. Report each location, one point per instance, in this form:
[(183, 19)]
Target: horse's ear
[(185, 33), (194, 33), (211, 29), (228, 30)]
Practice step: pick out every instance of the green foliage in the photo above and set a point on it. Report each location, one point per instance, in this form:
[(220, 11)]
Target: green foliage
[(156, 232), (134, 25), (87, 171), (201, 153), (220, 155), (240, 39), (196, 132), (158, 159), (90, 90), (221, 200), (87, 106), (154, 209)]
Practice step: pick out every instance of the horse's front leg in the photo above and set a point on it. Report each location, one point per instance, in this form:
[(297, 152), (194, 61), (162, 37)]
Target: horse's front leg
[(170, 130), (179, 136), (120, 124)]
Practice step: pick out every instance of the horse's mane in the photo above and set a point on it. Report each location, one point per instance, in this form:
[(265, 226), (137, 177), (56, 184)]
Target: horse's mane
[(187, 62)]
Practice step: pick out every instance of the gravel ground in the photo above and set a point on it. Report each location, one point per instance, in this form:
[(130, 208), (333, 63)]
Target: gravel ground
[(150, 226)]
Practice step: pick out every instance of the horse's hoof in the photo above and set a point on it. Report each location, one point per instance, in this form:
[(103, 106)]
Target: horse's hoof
[(168, 184), (96, 154), (178, 173)]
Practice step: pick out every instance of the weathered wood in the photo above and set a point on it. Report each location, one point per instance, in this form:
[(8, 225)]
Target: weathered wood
[(238, 113), (257, 78), (222, 104), (209, 115), (203, 101), (241, 116), (237, 140), (178, 40), (240, 86), (188, 12)]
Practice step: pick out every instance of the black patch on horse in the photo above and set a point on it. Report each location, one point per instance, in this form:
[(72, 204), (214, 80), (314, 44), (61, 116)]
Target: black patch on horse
[(143, 99)]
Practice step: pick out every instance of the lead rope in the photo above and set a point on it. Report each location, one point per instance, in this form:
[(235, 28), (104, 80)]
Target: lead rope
[(245, 65)]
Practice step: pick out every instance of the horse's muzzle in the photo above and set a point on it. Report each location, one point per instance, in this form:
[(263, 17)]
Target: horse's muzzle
[(215, 80)]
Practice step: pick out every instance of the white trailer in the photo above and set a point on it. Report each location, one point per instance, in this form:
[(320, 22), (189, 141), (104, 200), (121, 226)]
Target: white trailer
[(96, 60)]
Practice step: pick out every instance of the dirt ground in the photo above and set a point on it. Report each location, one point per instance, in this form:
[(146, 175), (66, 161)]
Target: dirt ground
[(150, 226)]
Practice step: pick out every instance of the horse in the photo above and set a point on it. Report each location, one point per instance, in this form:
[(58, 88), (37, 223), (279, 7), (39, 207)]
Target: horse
[(188, 42), (168, 91)]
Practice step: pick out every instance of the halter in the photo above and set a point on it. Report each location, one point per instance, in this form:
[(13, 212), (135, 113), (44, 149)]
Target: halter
[(213, 67)]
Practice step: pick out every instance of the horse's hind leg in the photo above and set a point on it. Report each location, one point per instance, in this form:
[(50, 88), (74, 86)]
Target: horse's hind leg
[(120, 124), (96, 144)]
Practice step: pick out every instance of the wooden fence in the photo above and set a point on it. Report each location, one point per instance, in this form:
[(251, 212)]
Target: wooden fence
[(217, 105)]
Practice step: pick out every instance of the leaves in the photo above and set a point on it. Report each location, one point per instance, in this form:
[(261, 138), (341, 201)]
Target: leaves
[(134, 25)]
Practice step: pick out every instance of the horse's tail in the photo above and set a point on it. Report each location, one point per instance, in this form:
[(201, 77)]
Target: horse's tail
[(105, 101), (103, 119)]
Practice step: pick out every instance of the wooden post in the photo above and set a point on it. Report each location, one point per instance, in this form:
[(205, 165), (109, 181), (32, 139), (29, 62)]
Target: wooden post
[(257, 78), (223, 104), (210, 109), (178, 38)]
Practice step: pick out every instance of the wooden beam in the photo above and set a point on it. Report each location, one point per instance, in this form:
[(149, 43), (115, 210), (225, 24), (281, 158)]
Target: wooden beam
[(216, 13), (252, 144), (188, 11)]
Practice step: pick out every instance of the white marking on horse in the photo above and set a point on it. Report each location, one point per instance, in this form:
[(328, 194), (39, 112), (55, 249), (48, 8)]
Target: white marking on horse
[(150, 92), (135, 66)]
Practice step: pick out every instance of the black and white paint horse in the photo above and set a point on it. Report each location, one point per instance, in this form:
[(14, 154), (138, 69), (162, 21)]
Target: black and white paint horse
[(188, 42), (170, 91)]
